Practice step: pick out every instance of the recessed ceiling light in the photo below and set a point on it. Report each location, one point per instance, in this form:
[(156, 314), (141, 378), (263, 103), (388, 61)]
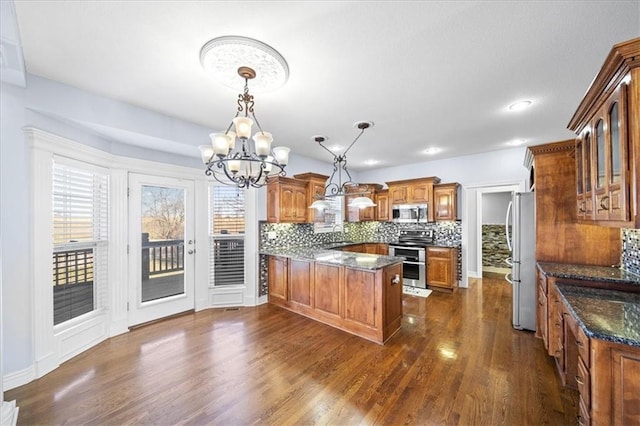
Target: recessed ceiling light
[(516, 142), (371, 162), (431, 151), (520, 105)]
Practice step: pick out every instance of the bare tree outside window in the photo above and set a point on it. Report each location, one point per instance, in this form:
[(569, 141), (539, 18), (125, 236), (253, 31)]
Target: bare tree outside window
[(163, 213)]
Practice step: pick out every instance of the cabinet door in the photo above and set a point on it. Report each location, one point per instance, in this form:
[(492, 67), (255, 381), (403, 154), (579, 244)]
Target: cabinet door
[(300, 206), (617, 157), (277, 277), (420, 193), (273, 205), (300, 282), (359, 297), (327, 295), (287, 203), (440, 267), (315, 189), (382, 208), (397, 194), (445, 200)]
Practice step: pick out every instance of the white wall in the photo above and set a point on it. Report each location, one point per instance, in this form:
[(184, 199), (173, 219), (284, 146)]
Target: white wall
[(494, 207)]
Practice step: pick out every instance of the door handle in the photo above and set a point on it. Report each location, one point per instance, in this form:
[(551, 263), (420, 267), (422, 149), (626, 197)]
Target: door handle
[(191, 251)]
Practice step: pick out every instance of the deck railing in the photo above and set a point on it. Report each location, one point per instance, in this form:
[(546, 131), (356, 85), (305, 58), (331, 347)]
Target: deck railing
[(160, 257)]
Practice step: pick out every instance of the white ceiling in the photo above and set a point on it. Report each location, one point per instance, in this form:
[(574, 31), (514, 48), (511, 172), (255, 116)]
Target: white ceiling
[(429, 74)]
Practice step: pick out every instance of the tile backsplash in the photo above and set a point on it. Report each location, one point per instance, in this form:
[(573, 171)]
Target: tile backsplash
[(302, 234), (631, 250)]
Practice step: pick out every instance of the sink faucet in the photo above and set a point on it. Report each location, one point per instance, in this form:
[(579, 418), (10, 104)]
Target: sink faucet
[(337, 233)]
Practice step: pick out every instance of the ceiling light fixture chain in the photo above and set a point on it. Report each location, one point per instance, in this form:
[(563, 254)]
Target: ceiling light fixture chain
[(340, 167), (243, 166)]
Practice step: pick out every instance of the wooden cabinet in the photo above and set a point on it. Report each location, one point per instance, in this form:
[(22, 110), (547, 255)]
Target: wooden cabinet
[(606, 375), (554, 170), (542, 330), (300, 282), (615, 383), (356, 214), (383, 208), (414, 191), (606, 171), (442, 268), (286, 200), (364, 302), (278, 278), (445, 201), (315, 188)]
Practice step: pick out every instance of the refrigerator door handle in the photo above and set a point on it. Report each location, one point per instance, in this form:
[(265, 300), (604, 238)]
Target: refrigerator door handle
[(507, 277), (506, 225), (508, 261)]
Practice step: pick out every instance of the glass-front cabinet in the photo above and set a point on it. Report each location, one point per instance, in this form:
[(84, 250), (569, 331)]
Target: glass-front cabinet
[(602, 162), (611, 191)]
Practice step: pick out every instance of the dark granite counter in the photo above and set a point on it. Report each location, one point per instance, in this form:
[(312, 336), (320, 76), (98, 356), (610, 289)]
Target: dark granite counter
[(604, 314), (589, 273), (321, 254)]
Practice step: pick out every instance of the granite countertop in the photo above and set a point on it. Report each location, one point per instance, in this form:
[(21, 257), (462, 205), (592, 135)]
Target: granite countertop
[(589, 273), (604, 314), (321, 254)]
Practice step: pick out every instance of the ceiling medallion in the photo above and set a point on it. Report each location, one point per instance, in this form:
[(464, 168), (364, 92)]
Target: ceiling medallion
[(222, 56)]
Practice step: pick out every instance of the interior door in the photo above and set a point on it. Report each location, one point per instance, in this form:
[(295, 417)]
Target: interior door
[(161, 247)]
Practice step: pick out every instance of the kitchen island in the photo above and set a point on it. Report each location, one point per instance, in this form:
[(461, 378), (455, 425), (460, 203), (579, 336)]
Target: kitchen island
[(356, 292)]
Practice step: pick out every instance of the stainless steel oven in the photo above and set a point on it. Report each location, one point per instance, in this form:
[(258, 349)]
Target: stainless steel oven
[(411, 245), (414, 267)]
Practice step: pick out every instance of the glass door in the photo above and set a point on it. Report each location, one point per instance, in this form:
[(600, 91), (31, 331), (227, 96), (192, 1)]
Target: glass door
[(161, 247)]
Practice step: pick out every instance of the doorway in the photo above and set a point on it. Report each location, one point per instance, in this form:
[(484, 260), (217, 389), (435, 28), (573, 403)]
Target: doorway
[(492, 250), (161, 247)]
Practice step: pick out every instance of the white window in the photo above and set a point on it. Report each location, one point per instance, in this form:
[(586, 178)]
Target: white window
[(226, 236), (80, 235)]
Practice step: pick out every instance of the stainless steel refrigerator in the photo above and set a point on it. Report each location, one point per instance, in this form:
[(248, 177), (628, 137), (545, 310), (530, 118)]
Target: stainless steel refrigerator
[(521, 238)]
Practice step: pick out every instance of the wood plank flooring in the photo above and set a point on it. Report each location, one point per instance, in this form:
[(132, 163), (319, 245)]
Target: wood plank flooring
[(456, 360)]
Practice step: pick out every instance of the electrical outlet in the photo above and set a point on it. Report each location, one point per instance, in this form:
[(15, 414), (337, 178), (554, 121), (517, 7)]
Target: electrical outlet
[(271, 235)]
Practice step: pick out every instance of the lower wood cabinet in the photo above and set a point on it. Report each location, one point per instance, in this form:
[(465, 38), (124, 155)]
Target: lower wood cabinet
[(367, 303), (442, 268), (278, 278), (300, 279)]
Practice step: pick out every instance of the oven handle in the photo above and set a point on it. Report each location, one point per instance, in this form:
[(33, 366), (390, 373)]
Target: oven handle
[(407, 248), (414, 263)]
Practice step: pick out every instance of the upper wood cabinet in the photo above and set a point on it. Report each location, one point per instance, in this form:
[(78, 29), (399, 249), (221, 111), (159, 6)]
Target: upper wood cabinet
[(287, 200), (414, 191), (606, 172), (383, 208), (445, 201), (315, 187)]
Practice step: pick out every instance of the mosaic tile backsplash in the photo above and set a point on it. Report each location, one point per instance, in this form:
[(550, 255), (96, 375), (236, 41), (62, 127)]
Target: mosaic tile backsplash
[(293, 234), (631, 250)]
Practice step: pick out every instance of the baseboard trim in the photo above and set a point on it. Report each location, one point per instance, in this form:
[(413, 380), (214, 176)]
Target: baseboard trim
[(19, 378)]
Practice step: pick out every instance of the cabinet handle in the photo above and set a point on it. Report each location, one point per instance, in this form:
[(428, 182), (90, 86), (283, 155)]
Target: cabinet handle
[(579, 419), (558, 325), (395, 280), (582, 208), (557, 354), (604, 202), (578, 343), (579, 380)]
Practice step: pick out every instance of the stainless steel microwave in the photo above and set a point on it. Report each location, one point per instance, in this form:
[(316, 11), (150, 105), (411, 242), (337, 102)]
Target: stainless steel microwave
[(409, 213)]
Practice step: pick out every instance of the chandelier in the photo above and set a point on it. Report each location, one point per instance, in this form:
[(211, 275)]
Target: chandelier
[(340, 172), (233, 158)]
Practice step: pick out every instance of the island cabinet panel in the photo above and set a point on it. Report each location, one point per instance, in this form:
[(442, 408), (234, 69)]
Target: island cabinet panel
[(360, 298), (278, 278), (327, 290), (300, 282), (392, 288)]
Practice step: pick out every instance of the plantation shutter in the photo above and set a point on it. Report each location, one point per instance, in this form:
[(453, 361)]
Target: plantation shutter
[(226, 236), (80, 236)]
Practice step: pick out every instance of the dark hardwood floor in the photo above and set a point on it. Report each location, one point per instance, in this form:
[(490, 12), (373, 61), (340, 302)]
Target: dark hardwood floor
[(456, 360)]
